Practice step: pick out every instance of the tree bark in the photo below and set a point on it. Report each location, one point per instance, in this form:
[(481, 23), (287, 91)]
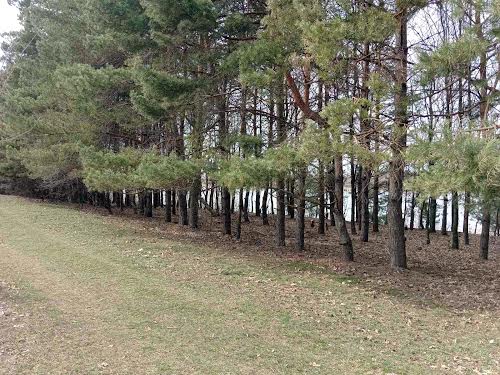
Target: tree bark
[(265, 218), (240, 213), (396, 240), (338, 211), (485, 232), (321, 200), (466, 218), (257, 203), (353, 197), (226, 210), (290, 197), (376, 206), (300, 219), (194, 195), (454, 220), (365, 172), (183, 211), (412, 211), (432, 215), (444, 217), (280, 214), (246, 218), (148, 209), (280, 193), (168, 206)]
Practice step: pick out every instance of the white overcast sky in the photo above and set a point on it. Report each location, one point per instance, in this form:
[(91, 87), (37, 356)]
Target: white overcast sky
[(8, 17), (8, 20)]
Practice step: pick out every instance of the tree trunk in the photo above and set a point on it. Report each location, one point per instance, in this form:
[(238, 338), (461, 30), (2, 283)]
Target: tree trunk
[(365, 172), (194, 195), (290, 197), (396, 240), (141, 202), (148, 209), (257, 203), (280, 193), (427, 225), (168, 206), (183, 211), (226, 210), (412, 211), (300, 220), (338, 211), (245, 207), (454, 220), (212, 194), (359, 195), (240, 212), (265, 218), (423, 211), (365, 204), (432, 215), (485, 232), (376, 205), (353, 197), (444, 218), (280, 215), (321, 200), (174, 203), (466, 218)]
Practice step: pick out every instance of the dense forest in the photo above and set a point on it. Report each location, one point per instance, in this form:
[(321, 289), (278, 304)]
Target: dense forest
[(342, 115)]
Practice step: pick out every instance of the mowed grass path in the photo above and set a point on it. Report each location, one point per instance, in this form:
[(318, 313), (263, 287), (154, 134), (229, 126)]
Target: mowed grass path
[(87, 294)]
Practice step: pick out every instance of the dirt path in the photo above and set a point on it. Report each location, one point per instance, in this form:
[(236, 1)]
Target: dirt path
[(84, 294)]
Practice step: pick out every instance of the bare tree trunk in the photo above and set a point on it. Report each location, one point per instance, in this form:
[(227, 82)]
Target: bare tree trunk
[(290, 197), (432, 215), (412, 211), (226, 210), (257, 203), (174, 203), (397, 245), (168, 206), (330, 183), (246, 218), (485, 232), (454, 220), (423, 211), (483, 113), (183, 211), (300, 220), (280, 215), (321, 200), (148, 209), (353, 197), (466, 218), (280, 193), (240, 212), (365, 172), (359, 195), (338, 211), (265, 218), (444, 218)]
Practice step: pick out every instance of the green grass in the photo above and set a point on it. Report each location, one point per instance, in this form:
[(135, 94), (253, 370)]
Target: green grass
[(91, 294)]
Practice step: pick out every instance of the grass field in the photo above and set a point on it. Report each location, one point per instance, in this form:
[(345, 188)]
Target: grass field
[(82, 293)]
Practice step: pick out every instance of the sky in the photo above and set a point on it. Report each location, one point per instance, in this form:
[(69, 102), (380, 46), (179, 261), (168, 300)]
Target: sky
[(8, 18)]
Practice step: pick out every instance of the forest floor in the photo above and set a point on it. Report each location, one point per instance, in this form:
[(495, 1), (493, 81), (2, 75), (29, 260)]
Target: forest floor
[(85, 292)]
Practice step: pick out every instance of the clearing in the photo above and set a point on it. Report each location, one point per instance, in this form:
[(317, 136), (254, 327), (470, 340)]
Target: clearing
[(82, 293)]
